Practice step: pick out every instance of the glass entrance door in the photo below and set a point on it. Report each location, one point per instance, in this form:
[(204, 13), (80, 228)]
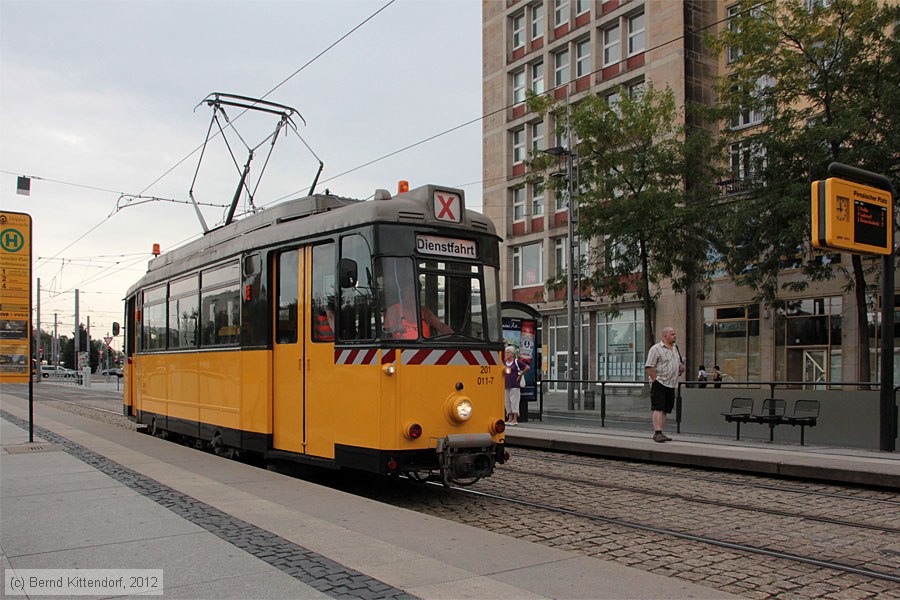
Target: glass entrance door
[(814, 367)]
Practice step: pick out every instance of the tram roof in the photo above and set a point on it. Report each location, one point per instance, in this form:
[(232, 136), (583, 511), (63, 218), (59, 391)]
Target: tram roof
[(306, 217)]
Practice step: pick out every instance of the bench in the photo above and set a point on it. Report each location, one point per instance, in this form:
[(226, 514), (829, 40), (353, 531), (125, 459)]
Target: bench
[(806, 413), (772, 414), (741, 411)]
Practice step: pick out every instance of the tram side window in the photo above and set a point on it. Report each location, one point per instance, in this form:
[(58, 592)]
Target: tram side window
[(154, 319), (220, 305), (323, 293), (286, 323), (356, 321), (184, 312)]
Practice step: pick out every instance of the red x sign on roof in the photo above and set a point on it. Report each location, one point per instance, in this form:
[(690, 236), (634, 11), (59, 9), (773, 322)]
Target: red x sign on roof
[(447, 207)]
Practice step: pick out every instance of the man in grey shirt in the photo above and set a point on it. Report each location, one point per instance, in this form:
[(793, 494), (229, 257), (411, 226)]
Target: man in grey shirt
[(664, 365)]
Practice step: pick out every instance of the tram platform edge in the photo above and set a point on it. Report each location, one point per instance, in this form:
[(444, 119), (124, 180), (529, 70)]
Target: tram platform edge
[(832, 464), (101, 496)]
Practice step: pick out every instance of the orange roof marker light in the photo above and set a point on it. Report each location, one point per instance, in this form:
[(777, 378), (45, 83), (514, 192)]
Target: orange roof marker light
[(402, 186), (155, 249)]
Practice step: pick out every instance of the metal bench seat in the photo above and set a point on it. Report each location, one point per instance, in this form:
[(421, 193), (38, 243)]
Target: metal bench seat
[(805, 414), (741, 411)]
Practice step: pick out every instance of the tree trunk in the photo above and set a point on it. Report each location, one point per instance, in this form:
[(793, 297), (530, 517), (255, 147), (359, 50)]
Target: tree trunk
[(862, 320)]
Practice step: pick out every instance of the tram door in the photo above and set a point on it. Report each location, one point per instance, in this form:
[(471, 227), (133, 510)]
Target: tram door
[(288, 356)]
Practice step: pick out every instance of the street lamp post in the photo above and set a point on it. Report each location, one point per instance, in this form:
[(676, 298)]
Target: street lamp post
[(570, 279)]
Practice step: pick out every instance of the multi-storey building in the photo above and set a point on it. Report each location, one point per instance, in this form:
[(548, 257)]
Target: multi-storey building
[(571, 48)]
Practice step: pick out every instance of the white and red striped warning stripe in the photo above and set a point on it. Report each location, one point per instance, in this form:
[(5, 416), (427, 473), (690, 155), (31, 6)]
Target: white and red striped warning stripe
[(367, 356), (388, 356), (449, 357)]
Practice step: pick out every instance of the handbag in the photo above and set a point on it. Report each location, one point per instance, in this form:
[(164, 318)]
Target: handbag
[(521, 379)]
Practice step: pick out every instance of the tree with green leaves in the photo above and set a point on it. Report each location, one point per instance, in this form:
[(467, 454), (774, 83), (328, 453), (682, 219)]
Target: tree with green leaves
[(645, 188), (821, 84)]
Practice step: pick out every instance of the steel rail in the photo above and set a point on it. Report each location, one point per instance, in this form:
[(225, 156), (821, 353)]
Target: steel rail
[(686, 498), (690, 537), (728, 482)]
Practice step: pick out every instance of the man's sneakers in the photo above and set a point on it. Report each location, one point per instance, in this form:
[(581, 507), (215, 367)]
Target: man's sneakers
[(659, 436)]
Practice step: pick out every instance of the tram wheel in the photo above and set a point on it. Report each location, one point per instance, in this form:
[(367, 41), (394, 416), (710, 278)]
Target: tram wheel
[(419, 476), (465, 482)]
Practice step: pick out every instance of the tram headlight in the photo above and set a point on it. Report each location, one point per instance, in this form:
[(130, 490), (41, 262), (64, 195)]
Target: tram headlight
[(460, 409)]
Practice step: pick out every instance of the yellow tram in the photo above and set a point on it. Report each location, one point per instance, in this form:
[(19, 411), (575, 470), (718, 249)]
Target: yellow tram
[(353, 334)]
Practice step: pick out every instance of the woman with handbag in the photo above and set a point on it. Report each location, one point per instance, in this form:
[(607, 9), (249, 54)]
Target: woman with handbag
[(514, 380)]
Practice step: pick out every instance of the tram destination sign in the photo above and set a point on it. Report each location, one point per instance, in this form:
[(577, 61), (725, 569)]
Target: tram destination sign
[(456, 248), (15, 297), (851, 217)]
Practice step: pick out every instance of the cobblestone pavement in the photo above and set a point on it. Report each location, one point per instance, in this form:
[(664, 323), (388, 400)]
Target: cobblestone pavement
[(644, 494)]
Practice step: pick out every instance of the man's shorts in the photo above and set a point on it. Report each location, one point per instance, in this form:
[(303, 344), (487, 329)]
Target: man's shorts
[(662, 397)]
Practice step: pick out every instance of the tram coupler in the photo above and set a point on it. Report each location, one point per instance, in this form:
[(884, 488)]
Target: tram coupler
[(465, 456)]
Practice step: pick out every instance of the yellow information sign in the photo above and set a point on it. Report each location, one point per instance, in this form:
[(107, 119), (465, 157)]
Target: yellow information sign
[(15, 297), (852, 217)]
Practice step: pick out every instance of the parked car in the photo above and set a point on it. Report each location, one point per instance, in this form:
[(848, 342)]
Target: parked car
[(110, 372), (56, 371)]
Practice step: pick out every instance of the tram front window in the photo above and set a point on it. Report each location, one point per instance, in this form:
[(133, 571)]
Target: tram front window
[(444, 300)]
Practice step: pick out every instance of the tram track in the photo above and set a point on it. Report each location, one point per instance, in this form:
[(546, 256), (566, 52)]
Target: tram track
[(837, 566), (694, 499), (744, 481)]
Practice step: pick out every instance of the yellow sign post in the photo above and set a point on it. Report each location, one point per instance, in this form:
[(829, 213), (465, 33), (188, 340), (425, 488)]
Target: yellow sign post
[(853, 211), (851, 217), (15, 297)]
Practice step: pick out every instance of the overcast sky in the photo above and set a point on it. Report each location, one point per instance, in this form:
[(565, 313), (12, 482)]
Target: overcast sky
[(102, 95)]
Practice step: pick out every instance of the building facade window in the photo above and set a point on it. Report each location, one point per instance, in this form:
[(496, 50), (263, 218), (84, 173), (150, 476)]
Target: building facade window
[(875, 331), (562, 201), (731, 340), (528, 265), (537, 136), (808, 341), (560, 254), (518, 31), (518, 86), (518, 146), (537, 21), (583, 58), (636, 89), (613, 98), (518, 202), (582, 6), (561, 68), (746, 159), (559, 352), (620, 346), (537, 199), (612, 49), (732, 13), (560, 12), (537, 78), (748, 117), (636, 34)]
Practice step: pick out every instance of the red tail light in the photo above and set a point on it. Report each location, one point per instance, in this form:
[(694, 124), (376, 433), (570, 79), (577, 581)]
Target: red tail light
[(498, 426), (413, 431), (392, 465)]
